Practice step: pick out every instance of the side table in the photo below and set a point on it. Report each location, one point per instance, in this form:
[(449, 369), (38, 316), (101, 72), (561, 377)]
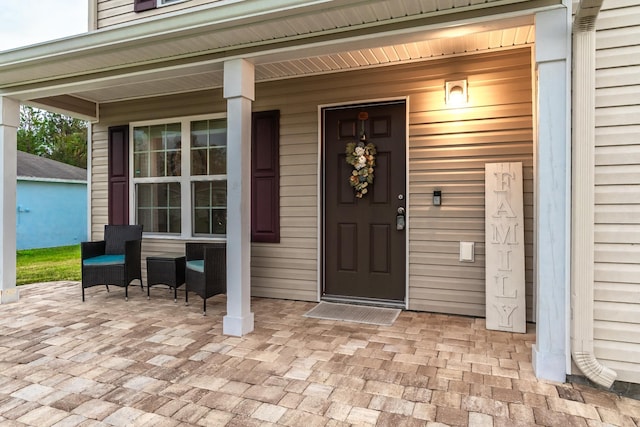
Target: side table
[(165, 269)]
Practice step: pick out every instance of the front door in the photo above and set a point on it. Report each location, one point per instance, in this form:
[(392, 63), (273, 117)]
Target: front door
[(364, 238)]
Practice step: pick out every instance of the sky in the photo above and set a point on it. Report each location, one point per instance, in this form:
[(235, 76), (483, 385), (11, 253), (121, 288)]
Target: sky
[(26, 22)]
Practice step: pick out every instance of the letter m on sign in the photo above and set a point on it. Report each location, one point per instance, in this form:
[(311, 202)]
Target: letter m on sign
[(504, 234)]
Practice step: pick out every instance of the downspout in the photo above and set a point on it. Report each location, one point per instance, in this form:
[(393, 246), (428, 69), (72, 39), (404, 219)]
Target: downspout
[(583, 170)]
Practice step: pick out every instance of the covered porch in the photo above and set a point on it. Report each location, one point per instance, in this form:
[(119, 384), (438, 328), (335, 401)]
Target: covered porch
[(92, 75)]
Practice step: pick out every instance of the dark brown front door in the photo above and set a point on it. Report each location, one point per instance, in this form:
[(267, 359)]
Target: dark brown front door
[(364, 251)]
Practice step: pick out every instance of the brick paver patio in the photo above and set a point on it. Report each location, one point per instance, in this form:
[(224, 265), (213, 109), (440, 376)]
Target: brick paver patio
[(107, 362)]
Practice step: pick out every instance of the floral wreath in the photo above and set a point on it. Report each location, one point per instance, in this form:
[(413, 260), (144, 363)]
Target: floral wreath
[(363, 158)]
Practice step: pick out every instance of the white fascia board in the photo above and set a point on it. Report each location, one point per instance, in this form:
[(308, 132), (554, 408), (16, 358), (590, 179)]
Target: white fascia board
[(53, 180), (219, 15)]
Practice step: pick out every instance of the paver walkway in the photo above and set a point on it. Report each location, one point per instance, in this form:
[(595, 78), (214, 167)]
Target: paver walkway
[(107, 362)]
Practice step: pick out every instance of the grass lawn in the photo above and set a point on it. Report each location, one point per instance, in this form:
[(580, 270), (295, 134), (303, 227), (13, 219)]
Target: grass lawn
[(48, 264)]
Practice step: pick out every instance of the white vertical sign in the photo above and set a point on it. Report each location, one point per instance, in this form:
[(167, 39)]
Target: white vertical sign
[(504, 247)]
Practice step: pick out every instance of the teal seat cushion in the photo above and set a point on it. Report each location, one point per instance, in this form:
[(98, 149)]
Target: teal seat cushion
[(196, 265), (104, 260)]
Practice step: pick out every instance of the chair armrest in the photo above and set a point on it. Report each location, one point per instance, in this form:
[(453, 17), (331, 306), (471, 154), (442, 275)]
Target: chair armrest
[(91, 249)]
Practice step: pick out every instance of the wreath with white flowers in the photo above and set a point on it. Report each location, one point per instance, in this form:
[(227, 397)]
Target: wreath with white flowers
[(363, 158)]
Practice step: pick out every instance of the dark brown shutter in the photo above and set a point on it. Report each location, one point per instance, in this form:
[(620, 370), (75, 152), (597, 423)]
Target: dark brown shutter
[(118, 169), (142, 5), (265, 177)]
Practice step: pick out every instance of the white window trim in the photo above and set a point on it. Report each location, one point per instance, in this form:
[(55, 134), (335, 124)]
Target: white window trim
[(163, 3), (184, 180)]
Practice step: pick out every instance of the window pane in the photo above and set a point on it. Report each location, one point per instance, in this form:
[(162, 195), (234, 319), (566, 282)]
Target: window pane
[(201, 221), (144, 195), (157, 164), (199, 131), (144, 219), (218, 160), (157, 150), (173, 163), (141, 165), (153, 207), (174, 220), (201, 195), (172, 137), (141, 139), (161, 220), (218, 133), (219, 221), (219, 194), (156, 137), (209, 207), (174, 195), (208, 147), (198, 162)]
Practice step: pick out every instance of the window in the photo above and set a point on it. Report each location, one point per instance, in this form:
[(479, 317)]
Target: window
[(179, 177), (142, 5), (209, 159)]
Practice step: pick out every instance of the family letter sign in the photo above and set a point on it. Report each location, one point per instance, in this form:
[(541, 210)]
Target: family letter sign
[(504, 247)]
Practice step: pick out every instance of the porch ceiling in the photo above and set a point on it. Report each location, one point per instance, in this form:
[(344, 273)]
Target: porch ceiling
[(186, 52)]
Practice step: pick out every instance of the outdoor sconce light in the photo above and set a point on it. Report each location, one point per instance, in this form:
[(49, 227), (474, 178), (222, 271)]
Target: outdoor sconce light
[(456, 93), (437, 198)]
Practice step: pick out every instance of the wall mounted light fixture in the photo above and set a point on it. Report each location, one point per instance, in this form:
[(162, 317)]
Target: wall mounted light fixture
[(456, 94)]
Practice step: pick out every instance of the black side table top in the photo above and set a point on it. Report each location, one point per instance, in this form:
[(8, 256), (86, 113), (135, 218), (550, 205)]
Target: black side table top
[(166, 269)]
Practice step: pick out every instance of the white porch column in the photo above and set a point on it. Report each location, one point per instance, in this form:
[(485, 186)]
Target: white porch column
[(551, 353), (9, 122), (239, 91)]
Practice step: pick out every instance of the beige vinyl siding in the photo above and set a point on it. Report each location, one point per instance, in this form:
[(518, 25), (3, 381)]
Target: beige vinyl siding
[(448, 152), (448, 149), (617, 189), (115, 114), (113, 12)]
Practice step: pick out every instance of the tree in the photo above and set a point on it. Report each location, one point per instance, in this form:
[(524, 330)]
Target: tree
[(53, 135)]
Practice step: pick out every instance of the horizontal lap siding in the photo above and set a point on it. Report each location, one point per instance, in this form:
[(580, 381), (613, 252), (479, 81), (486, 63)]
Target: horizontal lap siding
[(113, 12), (617, 189), (496, 130), (448, 152), (115, 114)]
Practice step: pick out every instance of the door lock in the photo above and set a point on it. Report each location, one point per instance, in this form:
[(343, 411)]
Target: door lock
[(400, 221)]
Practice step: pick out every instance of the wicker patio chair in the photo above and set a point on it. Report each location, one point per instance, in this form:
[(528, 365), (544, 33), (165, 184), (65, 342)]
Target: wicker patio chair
[(206, 270), (114, 260)]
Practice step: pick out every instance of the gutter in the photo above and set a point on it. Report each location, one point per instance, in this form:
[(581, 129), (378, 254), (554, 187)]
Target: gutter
[(55, 180), (583, 170)]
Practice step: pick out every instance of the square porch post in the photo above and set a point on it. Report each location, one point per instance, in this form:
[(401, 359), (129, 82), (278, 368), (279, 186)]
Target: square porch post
[(9, 122), (239, 91), (551, 352)]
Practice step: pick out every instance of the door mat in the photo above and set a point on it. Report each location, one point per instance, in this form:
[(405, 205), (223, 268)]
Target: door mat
[(354, 313)]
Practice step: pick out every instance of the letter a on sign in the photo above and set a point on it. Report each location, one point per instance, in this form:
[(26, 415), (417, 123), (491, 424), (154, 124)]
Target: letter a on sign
[(504, 247)]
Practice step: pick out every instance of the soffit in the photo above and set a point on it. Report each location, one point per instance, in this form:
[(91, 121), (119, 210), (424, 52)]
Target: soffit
[(106, 66), (197, 78)]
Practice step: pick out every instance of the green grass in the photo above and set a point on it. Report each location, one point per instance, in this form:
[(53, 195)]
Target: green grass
[(48, 264)]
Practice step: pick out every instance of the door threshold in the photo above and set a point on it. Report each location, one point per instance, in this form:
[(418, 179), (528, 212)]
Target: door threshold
[(364, 301)]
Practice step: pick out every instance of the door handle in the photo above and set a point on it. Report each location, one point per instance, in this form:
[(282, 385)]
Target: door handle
[(400, 219)]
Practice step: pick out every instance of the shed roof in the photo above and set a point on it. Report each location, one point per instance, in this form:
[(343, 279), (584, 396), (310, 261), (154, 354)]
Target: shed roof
[(32, 166)]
